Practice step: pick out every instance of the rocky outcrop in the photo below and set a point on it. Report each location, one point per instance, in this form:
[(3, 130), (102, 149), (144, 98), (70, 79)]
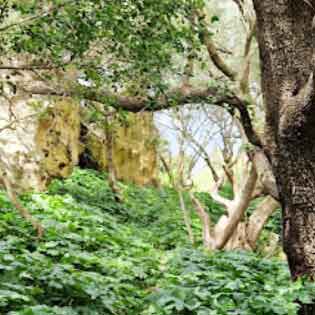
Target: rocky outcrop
[(134, 149), (42, 139), (57, 139), (38, 141)]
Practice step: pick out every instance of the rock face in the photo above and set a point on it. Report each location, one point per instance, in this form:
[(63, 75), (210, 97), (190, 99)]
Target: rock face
[(134, 150), (40, 140), (57, 139)]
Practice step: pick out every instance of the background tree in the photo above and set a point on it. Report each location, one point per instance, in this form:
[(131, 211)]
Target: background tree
[(201, 133)]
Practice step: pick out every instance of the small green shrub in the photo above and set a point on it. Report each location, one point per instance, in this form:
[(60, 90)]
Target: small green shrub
[(89, 187)]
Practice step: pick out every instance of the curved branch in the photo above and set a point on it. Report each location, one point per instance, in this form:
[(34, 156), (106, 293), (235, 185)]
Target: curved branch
[(236, 214), (213, 50), (227, 203), (217, 60), (208, 237), (175, 97)]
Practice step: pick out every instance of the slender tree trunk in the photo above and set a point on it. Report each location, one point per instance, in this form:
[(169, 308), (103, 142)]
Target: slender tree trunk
[(110, 163), (207, 233), (186, 217)]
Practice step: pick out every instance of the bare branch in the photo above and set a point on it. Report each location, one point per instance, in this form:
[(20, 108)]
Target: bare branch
[(212, 49), (240, 5), (244, 77), (237, 210), (168, 170), (181, 199), (259, 218), (208, 236)]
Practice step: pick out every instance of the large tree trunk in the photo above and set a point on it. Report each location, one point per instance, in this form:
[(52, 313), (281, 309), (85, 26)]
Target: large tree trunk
[(286, 42), (296, 177)]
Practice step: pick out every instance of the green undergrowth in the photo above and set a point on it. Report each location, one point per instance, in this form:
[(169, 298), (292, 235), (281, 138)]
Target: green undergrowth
[(100, 257), (199, 283)]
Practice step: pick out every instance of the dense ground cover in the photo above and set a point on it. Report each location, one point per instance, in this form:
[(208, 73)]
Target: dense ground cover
[(101, 257)]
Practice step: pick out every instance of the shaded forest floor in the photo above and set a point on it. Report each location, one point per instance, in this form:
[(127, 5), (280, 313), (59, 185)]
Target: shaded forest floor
[(101, 257)]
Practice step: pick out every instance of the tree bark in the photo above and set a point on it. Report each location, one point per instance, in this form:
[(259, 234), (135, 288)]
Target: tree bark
[(286, 43)]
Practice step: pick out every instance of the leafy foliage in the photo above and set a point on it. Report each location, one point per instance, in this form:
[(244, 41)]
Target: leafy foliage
[(111, 41), (100, 257), (87, 263), (196, 283)]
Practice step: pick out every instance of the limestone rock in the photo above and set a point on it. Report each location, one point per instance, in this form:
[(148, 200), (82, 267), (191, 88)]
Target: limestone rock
[(41, 137), (40, 140), (57, 139), (134, 150)]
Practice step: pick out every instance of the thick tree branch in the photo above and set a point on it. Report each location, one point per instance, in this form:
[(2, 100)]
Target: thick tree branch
[(246, 121), (217, 60), (227, 203), (241, 203), (175, 97), (259, 218)]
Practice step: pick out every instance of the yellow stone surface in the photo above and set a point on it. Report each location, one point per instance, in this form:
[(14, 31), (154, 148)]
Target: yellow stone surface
[(57, 138), (134, 150)]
